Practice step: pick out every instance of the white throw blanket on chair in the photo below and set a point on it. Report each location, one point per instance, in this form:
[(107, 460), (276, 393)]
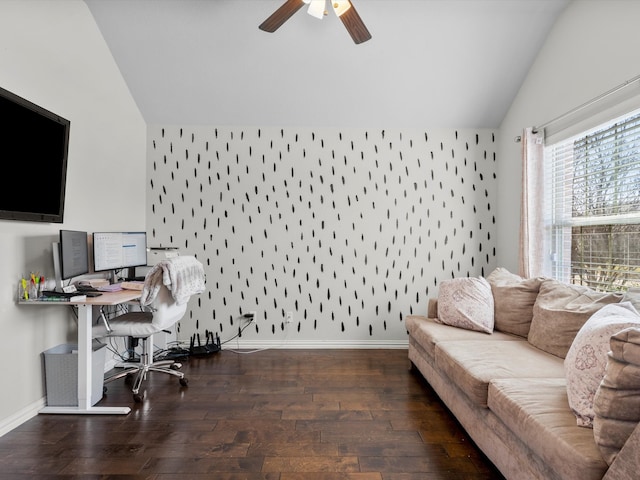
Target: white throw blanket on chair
[(183, 276)]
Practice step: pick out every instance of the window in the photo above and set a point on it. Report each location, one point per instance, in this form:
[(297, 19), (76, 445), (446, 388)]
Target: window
[(592, 206)]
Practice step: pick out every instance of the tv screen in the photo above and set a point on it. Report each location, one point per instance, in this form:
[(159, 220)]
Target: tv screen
[(74, 254), (34, 145), (117, 250)]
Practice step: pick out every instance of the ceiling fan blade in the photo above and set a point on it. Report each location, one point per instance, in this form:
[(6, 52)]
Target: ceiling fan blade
[(354, 24), (281, 15)]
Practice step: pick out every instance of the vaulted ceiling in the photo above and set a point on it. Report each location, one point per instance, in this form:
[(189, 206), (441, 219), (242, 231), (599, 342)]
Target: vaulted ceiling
[(430, 63)]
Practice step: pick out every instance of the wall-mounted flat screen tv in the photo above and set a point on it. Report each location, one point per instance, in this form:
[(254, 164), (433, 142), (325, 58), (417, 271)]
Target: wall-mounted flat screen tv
[(34, 145)]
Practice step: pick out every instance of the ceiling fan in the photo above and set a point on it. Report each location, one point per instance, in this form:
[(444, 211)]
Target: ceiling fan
[(344, 9)]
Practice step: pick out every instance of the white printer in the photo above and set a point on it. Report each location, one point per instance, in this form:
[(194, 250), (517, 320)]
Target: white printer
[(155, 255)]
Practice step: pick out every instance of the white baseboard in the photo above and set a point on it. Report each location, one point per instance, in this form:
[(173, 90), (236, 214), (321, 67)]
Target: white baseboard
[(21, 416), (316, 344)]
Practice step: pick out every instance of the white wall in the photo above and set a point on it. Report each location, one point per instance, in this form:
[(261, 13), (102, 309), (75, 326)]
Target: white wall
[(592, 48), (350, 229), (52, 54)]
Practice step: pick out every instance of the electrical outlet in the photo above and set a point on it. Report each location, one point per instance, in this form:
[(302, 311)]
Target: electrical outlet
[(289, 317)]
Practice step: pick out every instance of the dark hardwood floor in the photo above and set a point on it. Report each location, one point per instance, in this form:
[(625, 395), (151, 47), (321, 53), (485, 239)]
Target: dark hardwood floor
[(269, 415)]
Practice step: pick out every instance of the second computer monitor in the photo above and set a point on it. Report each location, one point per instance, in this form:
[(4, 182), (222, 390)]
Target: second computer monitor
[(74, 254), (117, 250)]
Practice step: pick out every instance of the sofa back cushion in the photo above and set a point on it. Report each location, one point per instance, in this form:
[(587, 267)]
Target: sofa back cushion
[(587, 357), (466, 303), (633, 295), (513, 298), (617, 400), (560, 311)]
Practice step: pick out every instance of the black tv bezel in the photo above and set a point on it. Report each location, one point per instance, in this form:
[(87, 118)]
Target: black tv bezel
[(35, 216)]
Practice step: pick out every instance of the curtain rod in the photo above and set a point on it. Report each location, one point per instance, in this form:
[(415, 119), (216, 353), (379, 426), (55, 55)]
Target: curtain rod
[(584, 105)]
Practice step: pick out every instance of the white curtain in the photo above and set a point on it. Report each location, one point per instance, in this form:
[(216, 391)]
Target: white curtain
[(532, 241)]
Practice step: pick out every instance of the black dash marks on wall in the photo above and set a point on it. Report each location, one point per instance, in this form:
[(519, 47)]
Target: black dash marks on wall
[(348, 229)]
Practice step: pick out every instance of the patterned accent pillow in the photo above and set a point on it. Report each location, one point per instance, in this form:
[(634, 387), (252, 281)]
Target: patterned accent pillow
[(466, 303), (617, 401), (587, 358), (513, 297)]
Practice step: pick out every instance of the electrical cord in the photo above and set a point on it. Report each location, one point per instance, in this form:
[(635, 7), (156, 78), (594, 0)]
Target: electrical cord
[(170, 353), (239, 334), (246, 352)]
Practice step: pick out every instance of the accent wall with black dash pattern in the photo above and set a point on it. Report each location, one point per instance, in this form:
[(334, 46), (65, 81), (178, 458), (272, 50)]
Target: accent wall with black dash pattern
[(350, 230)]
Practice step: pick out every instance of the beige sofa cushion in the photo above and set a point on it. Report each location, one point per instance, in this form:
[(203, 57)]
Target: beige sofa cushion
[(466, 303), (537, 411), (513, 298), (560, 311), (472, 364), (428, 332), (587, 357), (617, 400)]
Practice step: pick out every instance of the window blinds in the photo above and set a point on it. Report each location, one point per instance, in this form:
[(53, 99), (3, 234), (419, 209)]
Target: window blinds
[(592, 205)]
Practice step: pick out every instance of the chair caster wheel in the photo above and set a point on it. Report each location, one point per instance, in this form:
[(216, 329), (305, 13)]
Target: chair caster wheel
[(128, 379), (184, 382), (137, 397), (175, 366)]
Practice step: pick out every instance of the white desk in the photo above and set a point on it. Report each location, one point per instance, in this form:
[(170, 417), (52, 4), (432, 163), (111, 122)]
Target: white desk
[(85, 357)]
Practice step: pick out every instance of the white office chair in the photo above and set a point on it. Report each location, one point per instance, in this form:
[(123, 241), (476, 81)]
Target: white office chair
[(160, 311)]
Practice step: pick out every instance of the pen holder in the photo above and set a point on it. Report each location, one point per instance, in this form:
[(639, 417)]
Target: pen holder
[(28, 290), (23, 291)]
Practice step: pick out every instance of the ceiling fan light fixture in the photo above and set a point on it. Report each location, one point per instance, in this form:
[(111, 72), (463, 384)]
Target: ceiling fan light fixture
[(317, 8), (344, 9)]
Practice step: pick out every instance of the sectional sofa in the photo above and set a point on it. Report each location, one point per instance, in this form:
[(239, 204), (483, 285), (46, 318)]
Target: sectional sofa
[(532, 369)]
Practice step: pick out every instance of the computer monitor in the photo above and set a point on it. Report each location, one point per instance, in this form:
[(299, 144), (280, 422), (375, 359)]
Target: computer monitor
[(117, 250), (70, 256)]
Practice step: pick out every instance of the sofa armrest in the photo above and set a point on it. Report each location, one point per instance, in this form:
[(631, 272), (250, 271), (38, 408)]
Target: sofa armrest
[(432, 309), (627, 462)]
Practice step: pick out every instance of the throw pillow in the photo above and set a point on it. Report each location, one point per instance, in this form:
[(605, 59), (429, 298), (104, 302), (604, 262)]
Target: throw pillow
[(617, 401), (466, 303), (560, 311), (587, 357), (513, 298)]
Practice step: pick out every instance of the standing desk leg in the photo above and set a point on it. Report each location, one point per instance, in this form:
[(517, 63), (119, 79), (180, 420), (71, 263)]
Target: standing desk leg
[(85, 356)]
